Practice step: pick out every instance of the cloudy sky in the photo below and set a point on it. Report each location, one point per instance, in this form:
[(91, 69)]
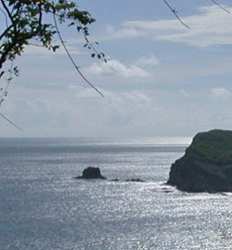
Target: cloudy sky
[(162, 79)]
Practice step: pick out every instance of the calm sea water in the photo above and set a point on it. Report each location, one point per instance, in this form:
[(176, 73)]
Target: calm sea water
[(43, 208)]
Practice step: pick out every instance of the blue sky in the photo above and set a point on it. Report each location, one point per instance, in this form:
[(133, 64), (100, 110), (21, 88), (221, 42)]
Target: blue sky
[(162, 79)]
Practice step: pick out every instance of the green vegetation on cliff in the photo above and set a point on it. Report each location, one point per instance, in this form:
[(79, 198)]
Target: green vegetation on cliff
[(214, 146)]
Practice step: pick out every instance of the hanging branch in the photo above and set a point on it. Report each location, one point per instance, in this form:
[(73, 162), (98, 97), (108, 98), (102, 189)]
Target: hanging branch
[(72, 60), (11, 122), (92, 45), (4, 91), (220, 6), (175, 13), (26, 22)]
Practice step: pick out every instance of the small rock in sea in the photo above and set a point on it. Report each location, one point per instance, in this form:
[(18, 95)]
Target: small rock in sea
[(91, 173)]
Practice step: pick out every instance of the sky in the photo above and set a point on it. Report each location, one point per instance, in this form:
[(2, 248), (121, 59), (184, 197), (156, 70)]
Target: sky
[(162, 79)]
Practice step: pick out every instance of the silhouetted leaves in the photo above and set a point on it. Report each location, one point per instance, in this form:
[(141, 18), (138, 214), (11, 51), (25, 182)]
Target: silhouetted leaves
[(54, 48), (28, 19)]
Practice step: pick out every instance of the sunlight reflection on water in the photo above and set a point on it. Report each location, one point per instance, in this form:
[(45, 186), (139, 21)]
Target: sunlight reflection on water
[(43, 207)]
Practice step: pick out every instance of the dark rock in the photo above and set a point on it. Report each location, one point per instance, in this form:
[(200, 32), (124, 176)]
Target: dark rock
[(206, 165), (91, 173), (134, 180), (128, 180), (116, 179)]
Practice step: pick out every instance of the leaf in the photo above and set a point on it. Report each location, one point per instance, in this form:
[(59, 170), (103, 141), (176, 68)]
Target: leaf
[(71, 24), (54, 48)]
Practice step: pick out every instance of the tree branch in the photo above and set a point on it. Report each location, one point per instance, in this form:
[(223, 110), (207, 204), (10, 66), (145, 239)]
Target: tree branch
[(5, 31), (11, 122), (220, 6), (72, 60), (175, 13)]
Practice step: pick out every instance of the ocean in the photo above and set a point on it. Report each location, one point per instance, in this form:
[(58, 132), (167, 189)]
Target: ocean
[(42, 207)]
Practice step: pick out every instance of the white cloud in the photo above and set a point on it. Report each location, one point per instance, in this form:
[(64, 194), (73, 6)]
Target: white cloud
[(117, 68), (75, 111), (220, 92), (150, 61), (184, 93), (211, 26)]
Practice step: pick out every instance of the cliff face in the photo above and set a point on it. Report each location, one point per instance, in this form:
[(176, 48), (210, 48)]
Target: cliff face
[(206, 165)]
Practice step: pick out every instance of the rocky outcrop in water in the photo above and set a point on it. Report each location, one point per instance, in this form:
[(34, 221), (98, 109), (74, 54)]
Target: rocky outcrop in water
[(91, 173), (128, 180), (134, 180), (95, 173), (206, 165)]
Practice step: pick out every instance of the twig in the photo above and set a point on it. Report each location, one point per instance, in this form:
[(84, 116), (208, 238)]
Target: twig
[(72, 60), (174, 11), (220, 6), (11, 122), (3, 96)]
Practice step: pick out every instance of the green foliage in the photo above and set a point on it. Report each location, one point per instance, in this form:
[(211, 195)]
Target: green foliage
[(215, 146), (32, 19)]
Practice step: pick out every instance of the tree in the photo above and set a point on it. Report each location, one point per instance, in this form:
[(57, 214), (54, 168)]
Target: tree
[(37, 21)]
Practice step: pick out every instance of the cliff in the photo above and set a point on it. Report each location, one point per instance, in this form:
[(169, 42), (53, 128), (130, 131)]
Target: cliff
[(206, 165)]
